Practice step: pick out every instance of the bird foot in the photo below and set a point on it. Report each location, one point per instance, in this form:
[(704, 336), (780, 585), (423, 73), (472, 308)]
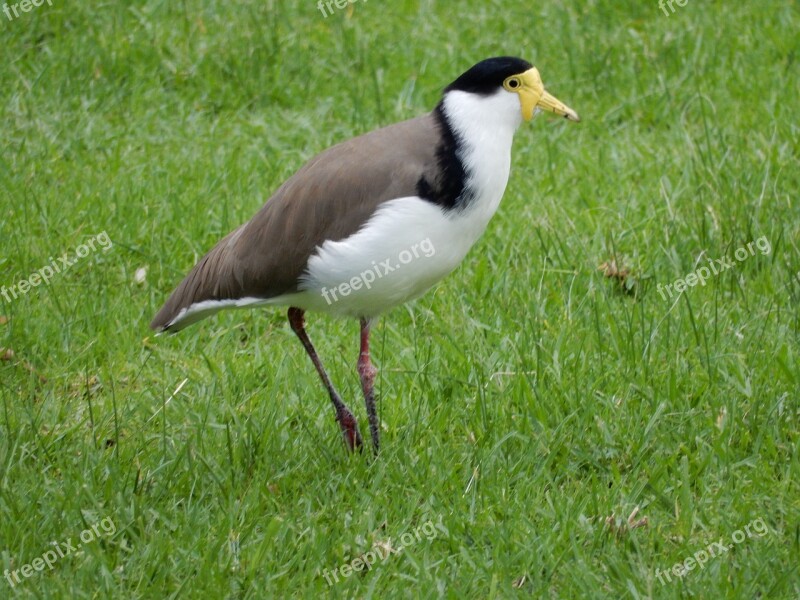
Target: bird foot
[(349, 426)]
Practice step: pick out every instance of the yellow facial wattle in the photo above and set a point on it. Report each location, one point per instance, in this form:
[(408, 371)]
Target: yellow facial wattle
[(532, 95)]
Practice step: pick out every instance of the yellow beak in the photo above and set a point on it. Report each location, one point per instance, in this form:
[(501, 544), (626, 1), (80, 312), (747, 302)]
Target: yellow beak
[(533, 95)]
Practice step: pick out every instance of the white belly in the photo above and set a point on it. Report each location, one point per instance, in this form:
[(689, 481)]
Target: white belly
[(407, 246)]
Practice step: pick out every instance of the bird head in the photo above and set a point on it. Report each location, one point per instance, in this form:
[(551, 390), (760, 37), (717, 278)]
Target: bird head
[(498, 77)]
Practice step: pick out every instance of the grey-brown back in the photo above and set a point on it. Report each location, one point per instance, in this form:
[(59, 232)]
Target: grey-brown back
[(329, 198)]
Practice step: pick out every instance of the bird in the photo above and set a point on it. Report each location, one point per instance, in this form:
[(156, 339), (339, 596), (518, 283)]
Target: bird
[(373, 222)]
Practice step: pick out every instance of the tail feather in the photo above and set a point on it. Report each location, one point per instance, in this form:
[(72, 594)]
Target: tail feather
[(208, 288)]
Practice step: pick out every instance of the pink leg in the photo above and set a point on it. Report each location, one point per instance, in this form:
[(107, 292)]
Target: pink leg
[(346, 420), (367, 372)]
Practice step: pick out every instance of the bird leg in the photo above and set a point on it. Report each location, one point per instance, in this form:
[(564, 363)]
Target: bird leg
[(367, 372), (346, 420)]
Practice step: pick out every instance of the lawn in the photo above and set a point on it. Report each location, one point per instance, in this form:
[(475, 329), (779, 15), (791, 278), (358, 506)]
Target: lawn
[(557, 422)]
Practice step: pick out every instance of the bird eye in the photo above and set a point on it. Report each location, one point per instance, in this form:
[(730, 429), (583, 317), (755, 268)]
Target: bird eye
[(512, 84)]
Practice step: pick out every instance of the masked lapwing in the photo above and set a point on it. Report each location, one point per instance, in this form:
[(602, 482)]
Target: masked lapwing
[(375, 221)]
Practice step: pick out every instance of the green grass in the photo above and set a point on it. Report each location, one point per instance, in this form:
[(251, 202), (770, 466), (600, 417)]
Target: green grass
[(524, 400)]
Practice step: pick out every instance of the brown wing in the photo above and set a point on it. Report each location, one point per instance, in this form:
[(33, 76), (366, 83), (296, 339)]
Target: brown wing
[(329, 198)]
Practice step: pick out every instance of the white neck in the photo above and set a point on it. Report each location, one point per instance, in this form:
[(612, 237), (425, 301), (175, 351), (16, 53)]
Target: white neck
[(484, 127)]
